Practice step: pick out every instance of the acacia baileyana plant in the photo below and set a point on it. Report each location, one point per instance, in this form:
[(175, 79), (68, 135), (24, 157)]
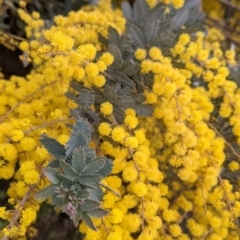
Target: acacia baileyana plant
[(151, 149)]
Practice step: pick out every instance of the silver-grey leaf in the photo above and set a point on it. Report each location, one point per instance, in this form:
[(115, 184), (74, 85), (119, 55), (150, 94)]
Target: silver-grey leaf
[(88, 221), (78, 159), (45, 193), (94, 166), (51, 174), (68, 170)]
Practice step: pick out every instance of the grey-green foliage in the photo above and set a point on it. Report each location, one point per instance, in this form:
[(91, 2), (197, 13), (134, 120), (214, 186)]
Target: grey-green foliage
[(75, 175), (125, 83)]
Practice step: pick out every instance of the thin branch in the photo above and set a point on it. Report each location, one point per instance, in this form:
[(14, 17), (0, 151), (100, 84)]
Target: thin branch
[(47, 124), (230, 206), (230, 4), (18, 210), (109, 189), (25, 99), (143, 216), (105, 227), (228, 144)]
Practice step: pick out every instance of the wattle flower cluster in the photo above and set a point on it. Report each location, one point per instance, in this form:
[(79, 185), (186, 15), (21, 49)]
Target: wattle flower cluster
[(167, 180)]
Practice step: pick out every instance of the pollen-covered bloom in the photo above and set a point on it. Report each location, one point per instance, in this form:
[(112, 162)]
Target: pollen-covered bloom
[(118, 134), (131, 121), (177, 3), (116, 216), (104, 129), (139, 189), (31, 177), (16, 135), (106, 108), (131, 142), (140, 54)]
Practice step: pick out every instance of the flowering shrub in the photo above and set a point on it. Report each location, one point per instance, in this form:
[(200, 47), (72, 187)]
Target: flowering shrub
[(151, 89)]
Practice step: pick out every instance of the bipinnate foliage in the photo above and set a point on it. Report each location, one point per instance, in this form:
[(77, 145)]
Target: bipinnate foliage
[(75, 175), (125, 84)]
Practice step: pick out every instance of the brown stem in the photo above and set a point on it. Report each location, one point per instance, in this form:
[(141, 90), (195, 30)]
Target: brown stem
[(228, 144), (25, 99)]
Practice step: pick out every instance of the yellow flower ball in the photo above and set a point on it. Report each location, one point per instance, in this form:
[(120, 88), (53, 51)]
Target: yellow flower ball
[(22, 4), (35, 15), (233, 166), (130, 111), (151, 98), (106, 108), (27, 144), (92, 69), (129, 173), (177, 3), (155, 53), (104, 129), (17, 135), (131, 121), (24, 46), (31, 177), (140, 54), (175, 230), (139, 189), (114, 236), (118, 134), (107, 58), (131, 142), (115, 216)]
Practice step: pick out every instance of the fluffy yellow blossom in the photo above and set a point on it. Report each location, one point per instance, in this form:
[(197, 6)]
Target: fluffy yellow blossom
[(184, 38), (3, 213), (170, 215), (17, 135), (140, 54), (155, 53), (35, 15), (21, 189), (28, 216), (31, 176), (203, 55), (151, 3), (140, 189), (22, 4), (106, 108), (107, 58), (25, 122), (141, 158), (24, 46), (102, 66), (140, 135), (28, 165), (130, 111), (104, 129), (196, 229), (131, 222), (175, 230), (131, 121), (233, 166), (27, 144), (61, 41), (114, 236), (130, 173), (118, 134), (92, 69), (63, 138), (151, 98), (87, 51), (131, 142), (57, 113), (115, 216)]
